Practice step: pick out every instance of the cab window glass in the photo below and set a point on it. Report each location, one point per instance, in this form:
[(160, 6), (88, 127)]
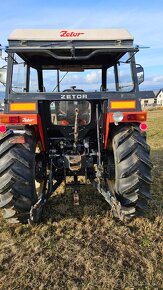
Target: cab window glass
[(33, 85), (124, 74), (111, 86), (19, 75), (65, 112), (119, 77)]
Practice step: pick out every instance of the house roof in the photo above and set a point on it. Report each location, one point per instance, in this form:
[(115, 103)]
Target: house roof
[(156, 92), (161, 90), (147, 95)]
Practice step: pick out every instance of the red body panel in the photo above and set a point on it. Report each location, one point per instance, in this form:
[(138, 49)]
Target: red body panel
[(35, 120), (25, 119), (136, 117)]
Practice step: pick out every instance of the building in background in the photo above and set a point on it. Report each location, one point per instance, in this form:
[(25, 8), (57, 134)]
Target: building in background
[(152, 99), (148, 99), (159, 97)]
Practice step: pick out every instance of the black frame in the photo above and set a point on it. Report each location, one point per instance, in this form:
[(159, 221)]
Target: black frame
[(121, 48)]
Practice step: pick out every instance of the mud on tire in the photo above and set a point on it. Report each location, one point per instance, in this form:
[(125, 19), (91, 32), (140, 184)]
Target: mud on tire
[(17, 176), (132, 169)]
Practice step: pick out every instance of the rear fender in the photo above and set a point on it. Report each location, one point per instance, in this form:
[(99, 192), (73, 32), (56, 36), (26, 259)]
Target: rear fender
[(128, 117), (17, 122)]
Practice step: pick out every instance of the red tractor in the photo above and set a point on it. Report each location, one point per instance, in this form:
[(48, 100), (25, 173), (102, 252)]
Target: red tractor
[(51, 130)]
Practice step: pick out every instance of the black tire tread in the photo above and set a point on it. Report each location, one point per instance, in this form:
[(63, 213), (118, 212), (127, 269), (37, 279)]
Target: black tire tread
[(17, 183), (133, 168)]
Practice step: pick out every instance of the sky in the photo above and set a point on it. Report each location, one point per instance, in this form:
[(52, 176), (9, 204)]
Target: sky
[(143, 19)]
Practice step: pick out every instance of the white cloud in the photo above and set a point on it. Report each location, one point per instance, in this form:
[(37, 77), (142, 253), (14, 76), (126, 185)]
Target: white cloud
[(158, 79), (92, 77), (152, 83)]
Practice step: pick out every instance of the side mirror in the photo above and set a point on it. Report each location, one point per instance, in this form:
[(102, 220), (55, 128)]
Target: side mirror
[(140, 74), (3, 75)]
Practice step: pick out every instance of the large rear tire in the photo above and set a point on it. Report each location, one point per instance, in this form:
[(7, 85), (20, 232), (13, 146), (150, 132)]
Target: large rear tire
[(17, 176), (132, 169)]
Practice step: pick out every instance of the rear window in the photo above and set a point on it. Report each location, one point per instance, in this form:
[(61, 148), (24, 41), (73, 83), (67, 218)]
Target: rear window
[(64, 113)]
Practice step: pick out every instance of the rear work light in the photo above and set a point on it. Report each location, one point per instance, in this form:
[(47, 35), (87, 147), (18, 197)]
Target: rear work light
[(118, 117)]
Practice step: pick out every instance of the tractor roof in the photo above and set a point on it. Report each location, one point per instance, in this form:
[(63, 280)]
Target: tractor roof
[(90, 48), (67, 34)]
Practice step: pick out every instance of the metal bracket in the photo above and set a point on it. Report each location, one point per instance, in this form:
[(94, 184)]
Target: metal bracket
[(116, 207), (37, 209), (36, 212)]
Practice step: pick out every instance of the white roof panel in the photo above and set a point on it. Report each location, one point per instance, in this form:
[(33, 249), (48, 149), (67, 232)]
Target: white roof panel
[(70, 34)]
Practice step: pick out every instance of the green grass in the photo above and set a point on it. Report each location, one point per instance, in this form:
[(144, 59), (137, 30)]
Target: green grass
[(155, 131), (82, 247)]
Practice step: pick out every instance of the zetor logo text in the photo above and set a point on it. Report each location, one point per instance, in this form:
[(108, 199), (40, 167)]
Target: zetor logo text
[(73, 97), (66, 33)]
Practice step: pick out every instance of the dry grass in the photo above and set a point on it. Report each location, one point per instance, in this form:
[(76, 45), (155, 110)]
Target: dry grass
[(83, 247)]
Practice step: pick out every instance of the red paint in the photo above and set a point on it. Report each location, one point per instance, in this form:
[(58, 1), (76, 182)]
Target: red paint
[(18, 140), (66, 33), (21, 119), (40, 132), (64, 123), (128, 117), (107, 130)]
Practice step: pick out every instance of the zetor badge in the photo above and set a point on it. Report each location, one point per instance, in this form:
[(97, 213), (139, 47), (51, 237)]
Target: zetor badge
[(66, 33)]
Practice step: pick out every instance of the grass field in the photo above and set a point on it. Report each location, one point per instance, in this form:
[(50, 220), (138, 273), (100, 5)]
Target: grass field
[(83, 247)]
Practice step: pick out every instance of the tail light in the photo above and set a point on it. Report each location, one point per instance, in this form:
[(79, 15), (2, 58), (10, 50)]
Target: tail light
[(14, 119), (9, 119), (131, 117), (136, 117)]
